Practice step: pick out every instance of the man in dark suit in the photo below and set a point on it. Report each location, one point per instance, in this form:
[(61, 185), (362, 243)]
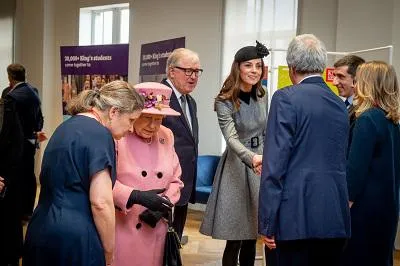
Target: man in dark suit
[(345, 72), (183, 71), (303, 201), (30, 114), (11, 147)]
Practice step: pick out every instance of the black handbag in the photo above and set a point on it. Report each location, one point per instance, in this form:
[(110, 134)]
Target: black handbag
[(172, 255)]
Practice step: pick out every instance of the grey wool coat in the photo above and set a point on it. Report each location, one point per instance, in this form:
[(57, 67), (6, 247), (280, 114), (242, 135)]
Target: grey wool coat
[(232, 208)]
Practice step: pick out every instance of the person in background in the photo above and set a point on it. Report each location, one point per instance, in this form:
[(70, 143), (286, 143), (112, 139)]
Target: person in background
[(11, 158), (183, 72), (344, 80), (30, 115), (303, 202), (373, 167), (241, 107), (146, 161), (74, 222)]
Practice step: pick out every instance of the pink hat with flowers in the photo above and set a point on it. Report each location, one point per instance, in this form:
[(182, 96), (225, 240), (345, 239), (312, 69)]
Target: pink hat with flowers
[(156, 98)]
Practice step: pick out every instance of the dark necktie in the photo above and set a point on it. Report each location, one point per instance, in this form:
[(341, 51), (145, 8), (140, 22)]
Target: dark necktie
[(347, 103), (183, 106)]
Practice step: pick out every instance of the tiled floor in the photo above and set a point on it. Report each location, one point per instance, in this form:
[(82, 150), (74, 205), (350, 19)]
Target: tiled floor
[(204, 251)]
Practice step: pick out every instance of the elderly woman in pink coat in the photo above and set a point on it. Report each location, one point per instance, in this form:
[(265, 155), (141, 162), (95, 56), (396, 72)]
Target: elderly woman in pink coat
[(146, 161)]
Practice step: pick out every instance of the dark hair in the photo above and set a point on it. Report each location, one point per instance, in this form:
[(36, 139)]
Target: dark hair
[(16, 72), (118, 93), (352, 61), (231, 88)]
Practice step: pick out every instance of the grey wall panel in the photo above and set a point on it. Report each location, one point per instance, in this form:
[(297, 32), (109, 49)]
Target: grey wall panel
[(7, 13)]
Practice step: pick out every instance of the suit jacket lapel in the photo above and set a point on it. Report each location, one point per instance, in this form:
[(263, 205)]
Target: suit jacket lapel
[(193, 114)]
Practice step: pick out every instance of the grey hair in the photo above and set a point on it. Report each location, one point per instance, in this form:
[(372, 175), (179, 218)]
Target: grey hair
[(119, 94), (177, 55), (307, 54)]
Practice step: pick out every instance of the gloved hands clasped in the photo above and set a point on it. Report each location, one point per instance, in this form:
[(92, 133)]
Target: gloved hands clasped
[(152, 217), (149, 199)]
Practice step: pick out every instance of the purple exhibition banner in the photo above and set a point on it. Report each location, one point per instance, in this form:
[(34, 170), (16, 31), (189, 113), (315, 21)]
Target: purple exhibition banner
[(91, 67), (153, 56), (95, 59)]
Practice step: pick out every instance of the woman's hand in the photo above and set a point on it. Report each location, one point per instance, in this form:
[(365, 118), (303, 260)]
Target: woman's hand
[(109, 258), (257, 164)]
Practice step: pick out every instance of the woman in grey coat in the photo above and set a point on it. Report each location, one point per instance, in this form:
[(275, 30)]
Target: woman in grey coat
[(241, 107)]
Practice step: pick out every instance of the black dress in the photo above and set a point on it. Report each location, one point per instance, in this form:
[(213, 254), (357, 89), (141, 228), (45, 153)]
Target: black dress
[(62, 230), (373, 177)]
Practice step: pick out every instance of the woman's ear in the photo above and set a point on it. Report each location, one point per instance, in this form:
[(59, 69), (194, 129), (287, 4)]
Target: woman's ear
[(113, 112)]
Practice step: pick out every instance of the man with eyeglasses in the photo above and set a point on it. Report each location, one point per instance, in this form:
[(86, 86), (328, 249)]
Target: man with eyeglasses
[(183, 71)]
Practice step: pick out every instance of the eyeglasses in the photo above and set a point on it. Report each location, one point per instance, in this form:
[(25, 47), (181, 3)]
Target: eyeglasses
[(189, 71)]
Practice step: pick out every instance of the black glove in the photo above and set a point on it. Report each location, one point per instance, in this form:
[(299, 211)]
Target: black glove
[(151, 217), (149, 199)]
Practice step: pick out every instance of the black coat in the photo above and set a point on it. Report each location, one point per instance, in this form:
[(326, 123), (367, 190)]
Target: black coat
[(373, 180), (11, 147), (186, 145), (29, 108)]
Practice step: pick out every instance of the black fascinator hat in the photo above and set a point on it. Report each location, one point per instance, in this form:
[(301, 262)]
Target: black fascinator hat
[(251, 52)]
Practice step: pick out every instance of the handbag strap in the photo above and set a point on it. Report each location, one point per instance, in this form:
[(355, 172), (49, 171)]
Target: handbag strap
[(170, 218)]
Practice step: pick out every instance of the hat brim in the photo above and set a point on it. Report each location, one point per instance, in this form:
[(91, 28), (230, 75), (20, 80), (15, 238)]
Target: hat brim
[(164, 111)]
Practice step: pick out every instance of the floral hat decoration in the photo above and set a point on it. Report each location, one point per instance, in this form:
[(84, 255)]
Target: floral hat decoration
[(156, 98), (251, 52)]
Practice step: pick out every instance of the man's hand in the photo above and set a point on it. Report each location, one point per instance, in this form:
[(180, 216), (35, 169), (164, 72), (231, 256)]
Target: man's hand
[(1, 184), (269, 242), (41, 136)]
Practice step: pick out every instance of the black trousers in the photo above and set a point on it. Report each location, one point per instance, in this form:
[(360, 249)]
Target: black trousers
[(309, 252), (270, 256), (28, 179), (180, 213), (244, 249)]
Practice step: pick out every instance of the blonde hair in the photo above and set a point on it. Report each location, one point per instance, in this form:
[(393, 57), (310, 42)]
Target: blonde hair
[(377, 86), (119, 94)]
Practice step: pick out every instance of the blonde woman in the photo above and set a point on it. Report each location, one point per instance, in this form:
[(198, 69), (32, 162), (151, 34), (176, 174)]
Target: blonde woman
[(373, 169)]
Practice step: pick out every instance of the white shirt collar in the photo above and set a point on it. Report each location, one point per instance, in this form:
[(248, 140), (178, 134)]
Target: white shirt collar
[(350, 99), (177, 93), (311, 76), (17, 84)]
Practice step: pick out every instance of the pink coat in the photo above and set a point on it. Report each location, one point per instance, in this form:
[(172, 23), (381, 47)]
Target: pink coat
[(143, 166)]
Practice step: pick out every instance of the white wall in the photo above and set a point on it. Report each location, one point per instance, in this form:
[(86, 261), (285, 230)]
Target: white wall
[(364, 24), (347, 26), (319, 18), (396, 36), (6, 44), (45, 25)]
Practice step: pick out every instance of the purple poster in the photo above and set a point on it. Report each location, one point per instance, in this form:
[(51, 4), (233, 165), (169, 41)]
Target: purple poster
[(90, 67), (95, 59), (153, 58)]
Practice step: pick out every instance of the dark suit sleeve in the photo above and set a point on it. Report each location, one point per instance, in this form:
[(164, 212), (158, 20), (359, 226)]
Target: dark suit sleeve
[(361, 150), (278, 146)]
